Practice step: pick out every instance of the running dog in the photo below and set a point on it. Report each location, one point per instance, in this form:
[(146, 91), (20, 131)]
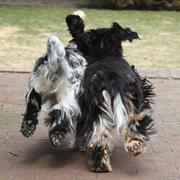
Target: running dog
[(55, 82), (114, 95)]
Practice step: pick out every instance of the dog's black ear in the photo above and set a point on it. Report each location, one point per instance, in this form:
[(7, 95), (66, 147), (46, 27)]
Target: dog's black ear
[(123, 34), (75, 26)]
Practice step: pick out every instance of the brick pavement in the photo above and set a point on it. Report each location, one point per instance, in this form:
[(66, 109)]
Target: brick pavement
[(36, 159)]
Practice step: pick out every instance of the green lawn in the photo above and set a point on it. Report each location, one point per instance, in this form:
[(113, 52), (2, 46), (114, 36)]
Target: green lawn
[(23, 32)]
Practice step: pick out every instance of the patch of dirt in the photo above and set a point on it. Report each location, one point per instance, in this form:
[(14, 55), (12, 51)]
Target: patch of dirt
[(165, 34), (8, 30)]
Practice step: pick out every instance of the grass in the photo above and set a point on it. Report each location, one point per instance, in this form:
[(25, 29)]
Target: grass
[(23, 32)]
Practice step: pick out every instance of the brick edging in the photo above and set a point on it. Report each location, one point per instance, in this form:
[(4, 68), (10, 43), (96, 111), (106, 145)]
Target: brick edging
[(160, 74), (11, 100), (15, 70), (153, 74)]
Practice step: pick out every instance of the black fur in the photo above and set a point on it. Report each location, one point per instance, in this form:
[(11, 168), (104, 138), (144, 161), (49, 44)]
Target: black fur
[(30, 120), (62, 127), (108, 71), (76, 26)]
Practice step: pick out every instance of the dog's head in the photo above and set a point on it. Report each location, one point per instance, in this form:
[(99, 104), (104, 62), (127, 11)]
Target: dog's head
[(98, 41)]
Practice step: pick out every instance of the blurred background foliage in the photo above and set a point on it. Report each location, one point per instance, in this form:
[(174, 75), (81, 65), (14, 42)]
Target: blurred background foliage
[(132, 4)]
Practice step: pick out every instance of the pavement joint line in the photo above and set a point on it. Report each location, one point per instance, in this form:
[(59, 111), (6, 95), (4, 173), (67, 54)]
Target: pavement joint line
[(156, 72), (145, 73), (169, 74), (12, 69)]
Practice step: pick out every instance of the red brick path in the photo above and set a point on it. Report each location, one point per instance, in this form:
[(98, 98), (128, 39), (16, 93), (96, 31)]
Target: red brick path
[(36, 159)]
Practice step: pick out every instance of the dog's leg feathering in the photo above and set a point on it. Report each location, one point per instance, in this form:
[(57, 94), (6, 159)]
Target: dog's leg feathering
[(59, 126), (99, 143), (139, 128), (101, 148), (30, 120)]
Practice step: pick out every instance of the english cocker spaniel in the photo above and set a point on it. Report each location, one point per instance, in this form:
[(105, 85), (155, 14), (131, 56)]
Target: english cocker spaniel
[(55, 82), (114, 95)]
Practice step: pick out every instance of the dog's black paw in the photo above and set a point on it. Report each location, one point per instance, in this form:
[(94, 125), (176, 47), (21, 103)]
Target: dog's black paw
[(28, 127), (57, 138)]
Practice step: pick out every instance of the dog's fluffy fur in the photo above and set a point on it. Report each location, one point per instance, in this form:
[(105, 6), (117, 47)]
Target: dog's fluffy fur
[(114, 94), (55, 82), (110, 94)]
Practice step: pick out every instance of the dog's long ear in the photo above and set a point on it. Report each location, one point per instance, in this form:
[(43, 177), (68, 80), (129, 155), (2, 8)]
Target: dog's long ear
[(75, 26), (122, 34)]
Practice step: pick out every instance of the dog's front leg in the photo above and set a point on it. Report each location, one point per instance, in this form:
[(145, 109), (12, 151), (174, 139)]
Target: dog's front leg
[(30, 120)]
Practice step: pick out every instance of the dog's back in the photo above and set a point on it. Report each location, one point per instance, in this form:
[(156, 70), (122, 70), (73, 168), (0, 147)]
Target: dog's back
[(115, 96)]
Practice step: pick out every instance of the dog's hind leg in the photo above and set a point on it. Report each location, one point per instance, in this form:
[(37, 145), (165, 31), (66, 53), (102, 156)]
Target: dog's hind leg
[(133, 145), (60, 126), (137, 133), (99, 149), (30, 120), (139, 128), (99, 142), (99, 123)]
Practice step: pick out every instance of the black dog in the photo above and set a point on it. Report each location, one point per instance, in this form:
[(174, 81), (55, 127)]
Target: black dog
[(114, 95)]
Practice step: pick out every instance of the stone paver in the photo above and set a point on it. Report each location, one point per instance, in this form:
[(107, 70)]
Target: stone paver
[(36, 159)]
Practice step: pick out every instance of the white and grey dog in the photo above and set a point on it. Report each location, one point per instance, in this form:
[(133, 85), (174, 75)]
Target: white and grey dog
[(56, 82)]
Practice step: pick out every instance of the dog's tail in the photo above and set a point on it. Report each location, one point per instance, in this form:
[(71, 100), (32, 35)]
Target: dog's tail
[(55, 50), (81, 14), (75, 26)]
